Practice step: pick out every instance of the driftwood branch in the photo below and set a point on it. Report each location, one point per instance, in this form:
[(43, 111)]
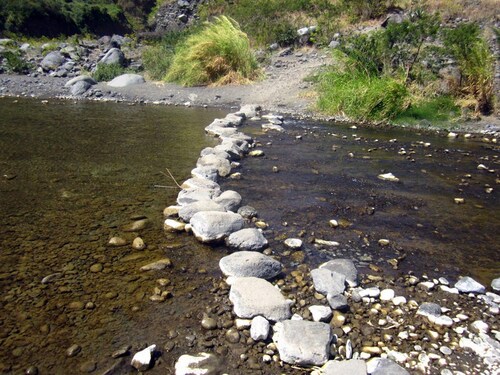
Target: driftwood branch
[(172, 177)]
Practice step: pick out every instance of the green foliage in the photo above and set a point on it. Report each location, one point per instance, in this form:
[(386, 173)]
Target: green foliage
[(360, 96), (59, 17), (270, 21), (218, 54), (439, 109), (158, 57), (14, 62), (366, 9), (394, 49), (106, 72), (475, 61)]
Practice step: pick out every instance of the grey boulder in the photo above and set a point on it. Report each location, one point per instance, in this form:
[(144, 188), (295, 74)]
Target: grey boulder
[(222, 165), (126, 80), (429, 309), (250, 264), (113, 56), (229, 199), (250, 239), (301, 342), (328, 282), (187, 212), (252, 296), (52, 61), (212, 226), (84, 78), (345, 267), (80, 88)]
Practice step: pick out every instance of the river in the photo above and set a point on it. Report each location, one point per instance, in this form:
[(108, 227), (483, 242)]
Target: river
[(73, 175)]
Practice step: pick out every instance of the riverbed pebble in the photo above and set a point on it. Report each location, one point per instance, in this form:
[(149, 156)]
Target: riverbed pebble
[(142, 360), (293, 243)]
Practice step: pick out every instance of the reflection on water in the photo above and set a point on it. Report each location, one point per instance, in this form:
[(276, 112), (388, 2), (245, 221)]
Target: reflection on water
[(72, 175)]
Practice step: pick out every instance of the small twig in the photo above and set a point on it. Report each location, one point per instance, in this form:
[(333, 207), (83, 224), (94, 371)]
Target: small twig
[(172, 177), (165, 187)]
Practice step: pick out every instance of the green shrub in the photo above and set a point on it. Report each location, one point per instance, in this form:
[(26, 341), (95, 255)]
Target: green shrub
[(218, 54), (476, 62), (439, 109), (157, 57), (14, 62), (360, 96), (106, 72)]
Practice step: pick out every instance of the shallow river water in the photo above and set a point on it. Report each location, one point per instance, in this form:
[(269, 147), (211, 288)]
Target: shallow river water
[(74, 175)]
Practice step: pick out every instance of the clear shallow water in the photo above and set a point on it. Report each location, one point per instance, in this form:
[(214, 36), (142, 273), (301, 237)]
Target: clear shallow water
[(77, 173), (72, 176), (331, 173)]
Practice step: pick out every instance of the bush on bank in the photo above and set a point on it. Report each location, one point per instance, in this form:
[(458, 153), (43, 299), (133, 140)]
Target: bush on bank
[(218, 54)]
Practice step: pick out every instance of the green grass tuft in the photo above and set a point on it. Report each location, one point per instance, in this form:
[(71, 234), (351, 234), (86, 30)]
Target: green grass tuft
[(360, 96), (439, 109), (106, 72), (218, 54)]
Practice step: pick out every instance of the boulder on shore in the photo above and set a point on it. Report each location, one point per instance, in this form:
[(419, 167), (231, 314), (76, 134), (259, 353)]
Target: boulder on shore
[(126, 80)]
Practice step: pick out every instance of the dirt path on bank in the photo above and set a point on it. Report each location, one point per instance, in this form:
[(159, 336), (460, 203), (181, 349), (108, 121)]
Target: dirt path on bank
[(284, 89)]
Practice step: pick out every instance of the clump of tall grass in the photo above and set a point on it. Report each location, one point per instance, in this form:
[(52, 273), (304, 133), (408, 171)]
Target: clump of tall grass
[(360, 95), (216, 55), (106, 72)]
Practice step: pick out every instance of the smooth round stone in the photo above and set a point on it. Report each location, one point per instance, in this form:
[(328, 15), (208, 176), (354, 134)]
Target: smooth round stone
[(138, 244), (445, 350), (208, 323), (232, 336), (495, 284), (117, 241), (76, 305), (32, 370), (88, 367), (387, 294), (480, 327), (73, 350), (400, 300), (293, 243), (97, 267), (444, 321)]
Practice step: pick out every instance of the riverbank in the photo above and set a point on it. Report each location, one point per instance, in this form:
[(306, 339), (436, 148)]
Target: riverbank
[(284, 89)]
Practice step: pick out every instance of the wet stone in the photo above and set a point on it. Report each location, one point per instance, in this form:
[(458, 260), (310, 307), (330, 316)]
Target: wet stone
[(122, 352), (232, 335), (97, 267), (142, 359), (208, 322), (138, 244), (73, 350), (32, 370), (88, 367), (201, 363), (157, 266), (117, 241)]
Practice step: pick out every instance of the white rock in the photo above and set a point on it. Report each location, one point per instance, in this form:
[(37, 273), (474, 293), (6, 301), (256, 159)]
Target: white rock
[(174, 225), (199, 364), (388, 177), (479, 326), (259, 329), (495, 284), (399, 300), (138, 244), (142, 360), (387, 294), (320, 313), (469, 285), (242, 323), (293, 243)]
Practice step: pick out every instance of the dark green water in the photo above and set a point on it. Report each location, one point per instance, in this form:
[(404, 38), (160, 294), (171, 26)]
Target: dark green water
[(71, 176)]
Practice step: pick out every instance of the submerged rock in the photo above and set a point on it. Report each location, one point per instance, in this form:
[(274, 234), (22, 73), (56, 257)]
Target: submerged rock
[(301, 342), (201, 363), (158, 265), (250, 264), (252, 296), (388, 177)]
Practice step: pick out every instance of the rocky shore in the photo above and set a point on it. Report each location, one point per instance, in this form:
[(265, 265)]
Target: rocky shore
[(329, 319)]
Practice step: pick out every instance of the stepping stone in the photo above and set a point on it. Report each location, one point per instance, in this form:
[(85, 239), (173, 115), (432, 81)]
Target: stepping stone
[(250, 264)]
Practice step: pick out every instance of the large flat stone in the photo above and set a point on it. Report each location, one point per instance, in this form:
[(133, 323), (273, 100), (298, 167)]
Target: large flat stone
[(469, 285), (350, 367), (212, 226), (302, 342), (328, 282), (250, 264), (252, 296)]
